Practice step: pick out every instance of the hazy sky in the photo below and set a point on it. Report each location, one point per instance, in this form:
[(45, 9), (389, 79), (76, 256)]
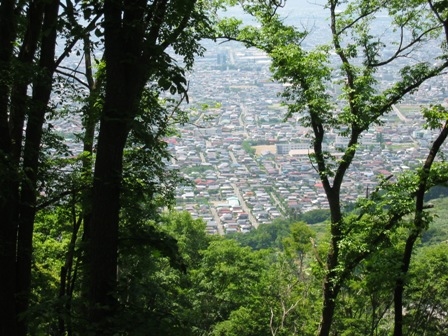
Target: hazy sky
[(300, 13), (296, 8)]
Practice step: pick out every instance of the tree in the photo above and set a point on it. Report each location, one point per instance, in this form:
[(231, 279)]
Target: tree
[(227, 279), (137, 37), (359, 55), (299, 242), (32, 26), (426, 298), (190, 235), (430, 174), (265, 236)]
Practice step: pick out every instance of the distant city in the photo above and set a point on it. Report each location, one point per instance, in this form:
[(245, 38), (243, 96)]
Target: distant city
[(249, 166), (235, 190)]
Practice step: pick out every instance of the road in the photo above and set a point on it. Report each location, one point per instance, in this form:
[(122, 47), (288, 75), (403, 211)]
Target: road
[(217, 220), (232, 157), (244, 206), (399, 114), (241, 119), (278, 203)]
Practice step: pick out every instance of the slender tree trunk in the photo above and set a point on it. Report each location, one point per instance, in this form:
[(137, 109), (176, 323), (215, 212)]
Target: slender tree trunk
[(331, 285), (330, 292), (66, 279), (90, 120), (419, 227), (399, 285)]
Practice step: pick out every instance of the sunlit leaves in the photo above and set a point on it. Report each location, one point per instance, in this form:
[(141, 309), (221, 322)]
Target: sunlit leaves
[(228, 277), (436, 116), (229, 27), (300, 242), (427, 291)]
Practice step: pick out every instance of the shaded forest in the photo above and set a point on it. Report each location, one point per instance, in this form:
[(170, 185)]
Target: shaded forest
[(88, 243)]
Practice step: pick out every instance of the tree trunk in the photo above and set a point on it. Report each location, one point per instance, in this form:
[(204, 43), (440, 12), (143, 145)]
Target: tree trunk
[(104, 223), (124, 84), (419, 227), (41, 96), (67, 278), (8, 229), (134, 34), (119, 110), (90, 120), (331, 284), (330, 293), (8, 28), (399, 285), (24, 76)]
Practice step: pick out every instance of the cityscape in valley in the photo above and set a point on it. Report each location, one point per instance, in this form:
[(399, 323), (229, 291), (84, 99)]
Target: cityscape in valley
[(250, 166), (235, 167)]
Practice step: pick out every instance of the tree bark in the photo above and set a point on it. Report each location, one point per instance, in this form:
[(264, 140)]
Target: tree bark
[(8, 231), (104, 222), (134, 38), (123, 87), (331, 284), (41, 95), (24, 76)]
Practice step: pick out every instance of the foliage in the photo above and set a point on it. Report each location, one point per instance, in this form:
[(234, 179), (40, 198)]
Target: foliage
[(150, 290), (315, 216), (300, 242), (438, 231), (51, 239), (228, 278), (265, 236), (427, 292), (171, 277), (248, 147), (351, 60), (190, 234)]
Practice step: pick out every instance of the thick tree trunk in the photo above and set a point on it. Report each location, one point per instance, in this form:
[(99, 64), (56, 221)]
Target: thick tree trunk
[(8, 237), (104, 223), (119, 110), (7, 37), (18, 107), (41, 96), (134, 34), (8, 229), (124, 85), (24, 76)]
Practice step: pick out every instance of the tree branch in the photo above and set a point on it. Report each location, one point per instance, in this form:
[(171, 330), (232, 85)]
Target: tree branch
[(72, 77)]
